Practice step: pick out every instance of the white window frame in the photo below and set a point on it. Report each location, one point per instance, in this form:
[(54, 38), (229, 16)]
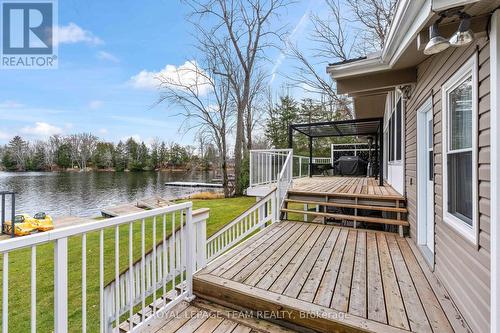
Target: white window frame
[(469, 69), (396, 96)]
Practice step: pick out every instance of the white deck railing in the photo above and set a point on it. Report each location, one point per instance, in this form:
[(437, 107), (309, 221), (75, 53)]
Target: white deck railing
[(273, 167), (181, 254), (254, 218), (266, 165)]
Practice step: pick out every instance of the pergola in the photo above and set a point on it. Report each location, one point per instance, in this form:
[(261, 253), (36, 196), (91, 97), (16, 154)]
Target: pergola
[(369, 127)]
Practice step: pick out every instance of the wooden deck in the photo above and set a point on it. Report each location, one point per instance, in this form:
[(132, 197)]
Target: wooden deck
[(205, 317), (349, 186), (331, 279)]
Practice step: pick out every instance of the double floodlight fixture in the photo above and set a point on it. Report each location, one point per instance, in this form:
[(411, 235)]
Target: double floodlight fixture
[(463, 36)]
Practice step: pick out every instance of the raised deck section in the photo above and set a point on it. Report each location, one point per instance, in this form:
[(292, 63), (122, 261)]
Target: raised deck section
[(360, 187), (331, 279), (346, 201)]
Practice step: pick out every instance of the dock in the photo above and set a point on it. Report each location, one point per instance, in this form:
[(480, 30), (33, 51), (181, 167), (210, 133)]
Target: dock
[(153, 202), (123, 209), (193, 184)]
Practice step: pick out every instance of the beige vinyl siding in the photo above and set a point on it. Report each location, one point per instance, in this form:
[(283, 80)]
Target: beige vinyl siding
[(462, 267)]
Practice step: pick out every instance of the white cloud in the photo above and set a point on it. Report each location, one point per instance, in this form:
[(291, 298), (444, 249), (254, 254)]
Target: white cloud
[(9, 104), (4, 135), (95, 104), (72, 33), (103, 131), (103, 55), (187, 74), (41, 129)]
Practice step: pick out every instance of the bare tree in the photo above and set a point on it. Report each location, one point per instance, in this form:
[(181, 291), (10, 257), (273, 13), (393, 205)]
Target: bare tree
[(338, 39), (82, 147), (255, 110), (375, 16), (205, 102), (239, 31)]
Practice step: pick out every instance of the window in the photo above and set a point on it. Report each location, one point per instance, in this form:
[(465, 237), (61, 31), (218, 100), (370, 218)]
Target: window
[(394, 133), (459, 158)]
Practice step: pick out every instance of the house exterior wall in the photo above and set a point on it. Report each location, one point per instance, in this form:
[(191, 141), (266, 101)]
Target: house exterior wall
[(462, 267)]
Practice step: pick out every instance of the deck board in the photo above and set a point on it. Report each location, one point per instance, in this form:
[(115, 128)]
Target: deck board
[(205, 317), (344, 185), (372, 276)]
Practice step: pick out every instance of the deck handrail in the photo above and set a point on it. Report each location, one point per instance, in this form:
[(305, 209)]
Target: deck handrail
[(252, 219), (184, 251)]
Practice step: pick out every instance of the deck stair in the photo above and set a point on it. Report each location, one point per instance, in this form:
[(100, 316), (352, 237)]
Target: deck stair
[(389, 210)]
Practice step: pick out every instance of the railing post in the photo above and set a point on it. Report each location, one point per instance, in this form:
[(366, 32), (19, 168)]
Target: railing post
[(251, 168), (190, 255), (274, 202), (61, 286), (200, 217)]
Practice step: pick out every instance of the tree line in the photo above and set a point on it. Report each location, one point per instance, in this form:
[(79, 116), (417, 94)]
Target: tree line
[(86, 151)]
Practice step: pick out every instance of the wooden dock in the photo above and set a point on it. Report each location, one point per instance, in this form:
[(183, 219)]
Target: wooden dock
[(153, 202), (332, 279), (123, 209), (193, 184)]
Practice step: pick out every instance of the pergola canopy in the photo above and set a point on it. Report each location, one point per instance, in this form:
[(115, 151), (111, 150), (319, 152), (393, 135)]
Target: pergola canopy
[(354, 127), (371, 127)]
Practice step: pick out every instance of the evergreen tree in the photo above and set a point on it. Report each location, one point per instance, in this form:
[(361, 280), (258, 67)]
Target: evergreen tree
[(63, 156), (283, 114)]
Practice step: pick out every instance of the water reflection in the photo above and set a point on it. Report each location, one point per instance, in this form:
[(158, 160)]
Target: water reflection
[(84, 193)]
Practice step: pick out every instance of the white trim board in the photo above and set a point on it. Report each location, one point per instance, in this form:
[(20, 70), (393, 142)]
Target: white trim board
[(470, 68), (495, 171)]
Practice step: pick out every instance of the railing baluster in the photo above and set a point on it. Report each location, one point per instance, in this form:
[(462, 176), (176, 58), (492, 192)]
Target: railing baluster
[(61, 285), (101, 281), (5, 293), (117, 276), (154, 264), (33, 289), (131, 274), (182, 251), (172, 254), (164, 274), (84, 283), (143, 271)]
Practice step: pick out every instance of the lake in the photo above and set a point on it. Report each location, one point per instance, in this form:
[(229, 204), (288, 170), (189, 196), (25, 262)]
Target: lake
[(85, 193)]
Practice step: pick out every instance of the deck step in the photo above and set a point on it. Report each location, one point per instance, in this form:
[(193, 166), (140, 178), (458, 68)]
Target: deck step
[(384, 197), (356, 206), (349, 217)]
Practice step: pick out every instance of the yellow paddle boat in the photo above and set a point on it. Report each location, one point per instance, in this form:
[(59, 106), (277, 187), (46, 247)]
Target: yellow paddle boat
[(43, 222), (24, 225)]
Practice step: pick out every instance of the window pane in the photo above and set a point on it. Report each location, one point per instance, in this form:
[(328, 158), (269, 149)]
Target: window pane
[(460, 105), (399, 139), (429, 133), (460, 186), (431, 165)]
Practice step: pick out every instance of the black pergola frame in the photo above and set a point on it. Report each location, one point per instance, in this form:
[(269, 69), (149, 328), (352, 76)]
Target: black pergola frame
[(373, 127)]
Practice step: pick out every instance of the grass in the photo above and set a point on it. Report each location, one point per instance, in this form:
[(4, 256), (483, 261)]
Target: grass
[(222, 211)]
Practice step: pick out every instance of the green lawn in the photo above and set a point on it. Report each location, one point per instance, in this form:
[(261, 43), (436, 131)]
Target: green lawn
[(222, 211)]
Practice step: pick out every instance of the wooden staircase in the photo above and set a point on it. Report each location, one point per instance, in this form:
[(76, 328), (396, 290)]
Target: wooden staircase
[(347, 209)]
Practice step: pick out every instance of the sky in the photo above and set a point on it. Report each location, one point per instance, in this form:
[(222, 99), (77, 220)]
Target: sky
[(109, 53)]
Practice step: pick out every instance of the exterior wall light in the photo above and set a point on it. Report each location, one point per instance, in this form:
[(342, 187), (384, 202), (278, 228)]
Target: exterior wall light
[(464, 35), (437, 43)]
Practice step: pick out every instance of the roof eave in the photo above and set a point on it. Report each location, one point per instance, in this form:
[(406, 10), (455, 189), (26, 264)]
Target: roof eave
[(409, 19), (356, 68)]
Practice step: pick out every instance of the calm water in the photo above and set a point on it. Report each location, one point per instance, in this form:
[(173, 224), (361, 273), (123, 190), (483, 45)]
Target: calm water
[(84, 193)]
